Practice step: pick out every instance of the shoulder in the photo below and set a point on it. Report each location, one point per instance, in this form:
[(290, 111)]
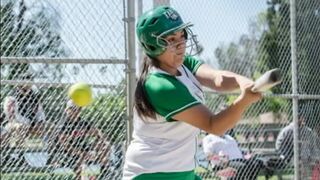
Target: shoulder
[(288, 128), (162, 83), (168, 95), (286, 132), (192, 63)]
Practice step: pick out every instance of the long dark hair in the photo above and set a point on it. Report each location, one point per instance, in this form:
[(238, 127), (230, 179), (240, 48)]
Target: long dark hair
[(141, 102)]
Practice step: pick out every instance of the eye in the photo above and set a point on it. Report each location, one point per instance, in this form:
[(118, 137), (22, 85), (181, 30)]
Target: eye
[(171, 39)]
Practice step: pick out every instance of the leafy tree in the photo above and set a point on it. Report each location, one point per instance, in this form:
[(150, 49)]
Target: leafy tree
[(308, 56), (274, 44), (264, 48), (108, 112), (238, 57), (29, 32)]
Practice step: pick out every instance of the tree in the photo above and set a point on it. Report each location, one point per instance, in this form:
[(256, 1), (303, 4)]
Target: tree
[(266, 46), (238, 57), (308, 56), (274, 44), (29, 32), (108, 112)]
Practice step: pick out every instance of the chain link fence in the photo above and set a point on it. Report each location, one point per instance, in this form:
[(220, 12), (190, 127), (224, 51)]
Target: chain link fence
[(48, 45), (45, 47), (251, 37)]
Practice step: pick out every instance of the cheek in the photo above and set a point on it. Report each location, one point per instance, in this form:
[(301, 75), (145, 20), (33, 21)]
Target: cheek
[(179, 58)]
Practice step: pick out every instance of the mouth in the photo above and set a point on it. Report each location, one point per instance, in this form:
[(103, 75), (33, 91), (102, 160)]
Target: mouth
[(180, 53)]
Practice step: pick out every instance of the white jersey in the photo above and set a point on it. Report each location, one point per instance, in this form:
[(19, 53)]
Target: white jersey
[(166, 145), (226, 145)]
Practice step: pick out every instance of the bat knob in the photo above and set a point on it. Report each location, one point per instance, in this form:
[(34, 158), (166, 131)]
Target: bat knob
[(275, 75)]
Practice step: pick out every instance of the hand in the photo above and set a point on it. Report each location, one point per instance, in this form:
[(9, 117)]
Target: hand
[(244, 82), (247, 96)]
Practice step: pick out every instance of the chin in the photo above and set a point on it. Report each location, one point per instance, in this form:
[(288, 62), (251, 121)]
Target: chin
[(179, 59)]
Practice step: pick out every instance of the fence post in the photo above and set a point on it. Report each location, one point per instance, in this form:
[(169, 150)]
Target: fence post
[(295, 97), (161, 2), (131, 66)]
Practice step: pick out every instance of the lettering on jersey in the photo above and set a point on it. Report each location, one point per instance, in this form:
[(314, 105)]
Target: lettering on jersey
[(170, 14)]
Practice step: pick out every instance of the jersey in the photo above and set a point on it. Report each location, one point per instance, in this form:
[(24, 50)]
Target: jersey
[(227, 145), (164, 144)]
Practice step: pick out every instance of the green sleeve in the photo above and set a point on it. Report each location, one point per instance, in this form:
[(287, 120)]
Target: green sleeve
[(168, 95), (192, 63)]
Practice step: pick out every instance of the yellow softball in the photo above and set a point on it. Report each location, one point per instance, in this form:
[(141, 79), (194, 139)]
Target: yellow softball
[(80, 93)]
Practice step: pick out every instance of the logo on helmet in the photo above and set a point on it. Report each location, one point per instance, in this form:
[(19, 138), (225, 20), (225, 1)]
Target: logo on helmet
[(170, 14)]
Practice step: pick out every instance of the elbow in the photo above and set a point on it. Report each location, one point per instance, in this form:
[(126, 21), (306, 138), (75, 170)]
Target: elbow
[(217, 128)]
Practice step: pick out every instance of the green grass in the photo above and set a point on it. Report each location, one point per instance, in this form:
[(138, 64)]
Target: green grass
[(36, 176), (204, 172), (47, 176)]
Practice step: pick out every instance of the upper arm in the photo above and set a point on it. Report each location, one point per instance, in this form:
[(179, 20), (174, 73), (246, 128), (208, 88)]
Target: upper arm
[(206, 75), (198, 116), (209, 77), (168, 96), (284, 143)]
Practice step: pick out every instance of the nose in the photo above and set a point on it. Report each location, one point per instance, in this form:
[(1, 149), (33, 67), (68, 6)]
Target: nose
[(181, 44)]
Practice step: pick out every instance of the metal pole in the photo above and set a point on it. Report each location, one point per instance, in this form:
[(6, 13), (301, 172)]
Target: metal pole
[(161, 2), (27, 60), (131, 66), (140, 52), (295, 98)]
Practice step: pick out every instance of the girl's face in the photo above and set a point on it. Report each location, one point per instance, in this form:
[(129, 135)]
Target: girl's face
[(173, 57)]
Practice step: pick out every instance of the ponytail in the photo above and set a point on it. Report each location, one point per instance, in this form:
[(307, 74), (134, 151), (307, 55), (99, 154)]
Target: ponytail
[(142, 103)]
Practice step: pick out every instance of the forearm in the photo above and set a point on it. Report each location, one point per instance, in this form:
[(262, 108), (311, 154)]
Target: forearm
[(227, 118), (201, 117), (220, 80)]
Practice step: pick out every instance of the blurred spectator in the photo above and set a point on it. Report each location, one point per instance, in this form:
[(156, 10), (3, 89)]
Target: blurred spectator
[(309, 146), (3, 131), (28, 109), (223, 151), (78, 141), (14, 131)]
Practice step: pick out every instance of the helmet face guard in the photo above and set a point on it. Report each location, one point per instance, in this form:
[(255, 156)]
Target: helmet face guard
[(155, 25)]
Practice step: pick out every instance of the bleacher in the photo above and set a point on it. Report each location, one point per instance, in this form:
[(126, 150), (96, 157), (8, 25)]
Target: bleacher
[(260, 139)]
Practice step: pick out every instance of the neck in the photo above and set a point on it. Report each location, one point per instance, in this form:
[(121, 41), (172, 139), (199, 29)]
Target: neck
[(172, 71)]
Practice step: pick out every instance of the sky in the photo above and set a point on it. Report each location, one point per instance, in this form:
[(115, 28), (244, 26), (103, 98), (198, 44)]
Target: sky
[(217, 21), (95, 28)]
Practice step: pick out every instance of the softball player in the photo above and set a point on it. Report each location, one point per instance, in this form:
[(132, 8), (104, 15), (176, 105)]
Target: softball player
[(169, 100)]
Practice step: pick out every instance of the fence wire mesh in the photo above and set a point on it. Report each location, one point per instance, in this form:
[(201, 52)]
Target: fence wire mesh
[(48, 45), (266, 130), (45, 47)]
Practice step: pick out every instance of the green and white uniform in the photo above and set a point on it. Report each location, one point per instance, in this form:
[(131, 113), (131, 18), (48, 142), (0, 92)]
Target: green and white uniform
[(164, 145)]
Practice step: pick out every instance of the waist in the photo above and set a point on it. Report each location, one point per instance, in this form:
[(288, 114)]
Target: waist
[(143, 158)]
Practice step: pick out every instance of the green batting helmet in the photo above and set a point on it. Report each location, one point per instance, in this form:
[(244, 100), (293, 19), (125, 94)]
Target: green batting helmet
[(154, 25)]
